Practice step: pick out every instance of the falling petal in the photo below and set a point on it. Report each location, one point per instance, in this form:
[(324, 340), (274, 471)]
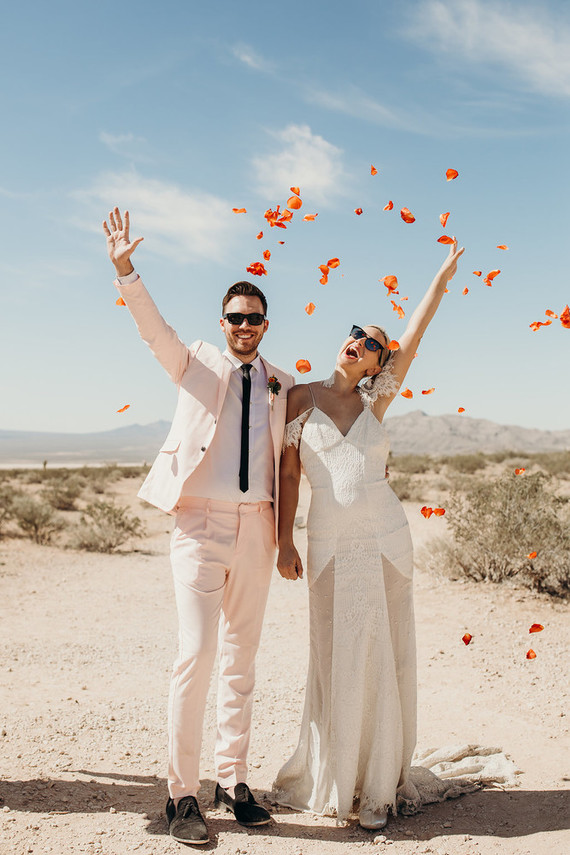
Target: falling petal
[(303, 366), (373, 170), (358, 211), (120, 302), (460, 409), (281, 242), (389, 206), (536, 325), (259, 236), (257, 268), (333, 262), (404, 298), (491, 275), (445, 239), (324, 279), (536, 627), (407, 393), (466, 638), (443, 219), (266, 254), (532, 555), (324, 269), (439, 512), (530, 654), (551, 314), (502, 246), (450, 174), (310, 308), (394, 345), (426, 512), (565, 317), (308, 218), (477, 272), (122, 410), (295, 190), (294, 202), (398, 309), (391, 283), (465, 291), (239, 210), (520, 471), (428, 391), (407, 215)]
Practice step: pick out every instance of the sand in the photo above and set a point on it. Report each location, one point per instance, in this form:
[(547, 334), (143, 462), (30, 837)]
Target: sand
[(87, 646)]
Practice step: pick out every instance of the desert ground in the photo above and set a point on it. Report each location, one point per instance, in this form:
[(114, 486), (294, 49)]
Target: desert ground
[(87, 645)]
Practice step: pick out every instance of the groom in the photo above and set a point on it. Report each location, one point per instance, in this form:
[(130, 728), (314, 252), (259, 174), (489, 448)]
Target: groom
[(218, 472)]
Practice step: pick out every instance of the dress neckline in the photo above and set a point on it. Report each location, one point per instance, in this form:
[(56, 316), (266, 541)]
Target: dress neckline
[(309, 410)]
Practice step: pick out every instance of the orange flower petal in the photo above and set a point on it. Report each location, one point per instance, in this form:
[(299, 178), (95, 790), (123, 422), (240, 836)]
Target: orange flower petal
[(310, 308), (308, 218), (294, 202), (460, 409), (324, 269), (358, 211), (445, 239), (407, 215), (520, 471), (439, 512), (259, 236), (257, 268), (389, 206), (120, 302), (465, 291), (565, 317), (281, 242), (426, 512), (295, 190), (551, 314), (443, 219), (122, 410), (239, 210), (536, 325), (391, 283), (266, 254), (502, 246), (536, 627), (477, 272), (394, 345), (450, 174), (428, 391), (492, 274), (398, 309), (333, 262), (530, 654), (323, 280), (303, 366), (407, 393), (404, 298), (466, 638), (373, 170), (532, 555)]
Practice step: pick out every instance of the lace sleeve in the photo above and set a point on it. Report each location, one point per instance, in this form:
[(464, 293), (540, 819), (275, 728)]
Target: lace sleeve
[(384, 384), (294, 429)]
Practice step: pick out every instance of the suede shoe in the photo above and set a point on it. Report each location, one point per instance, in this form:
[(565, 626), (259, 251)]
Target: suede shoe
[(185, 822), (244, 807)]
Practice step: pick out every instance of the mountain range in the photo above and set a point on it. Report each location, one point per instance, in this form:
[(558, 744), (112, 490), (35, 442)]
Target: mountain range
[(413, 433)]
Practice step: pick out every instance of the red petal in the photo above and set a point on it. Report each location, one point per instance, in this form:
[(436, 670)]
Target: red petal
[(295, 190), (428, 391), (259, 236), (407, 215), (466, 638), (565, 317), (281, 242), (439, 512), (303, 366), (122, 410), (394, 345), (373, 170), (407, 393), (426, 512), (239, 210), (502, 246), (536, 325), (536, 627), (450, 174), (294, 202), (120, 302), (461, 409), (391, 283), (324, 269), (358, 211), (530, 654), (324, 279), (520, 471), (465, 291), (257, 268), (492, 274), (398, 309), (310, 308), (333, 262), (551, 314), (389, 206), (532, 555), (443, 219), (477, 272), (445, 239), (310, 217)]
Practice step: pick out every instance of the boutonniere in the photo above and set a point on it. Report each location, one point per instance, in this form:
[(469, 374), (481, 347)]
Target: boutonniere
[(273, 387)]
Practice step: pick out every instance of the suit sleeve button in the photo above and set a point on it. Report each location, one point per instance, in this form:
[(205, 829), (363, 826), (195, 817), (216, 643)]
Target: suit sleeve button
[(203, 448)]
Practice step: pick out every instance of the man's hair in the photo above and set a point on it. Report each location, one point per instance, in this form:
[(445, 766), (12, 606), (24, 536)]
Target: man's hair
[(244, 289)]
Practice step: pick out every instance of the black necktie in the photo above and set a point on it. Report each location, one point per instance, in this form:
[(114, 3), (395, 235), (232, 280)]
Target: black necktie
[(244, 454)]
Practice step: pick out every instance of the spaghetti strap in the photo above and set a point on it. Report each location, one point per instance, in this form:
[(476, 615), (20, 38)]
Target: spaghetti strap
[(312, 396)]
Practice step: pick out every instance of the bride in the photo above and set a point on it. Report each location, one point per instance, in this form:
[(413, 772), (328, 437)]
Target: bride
[(358, 730)]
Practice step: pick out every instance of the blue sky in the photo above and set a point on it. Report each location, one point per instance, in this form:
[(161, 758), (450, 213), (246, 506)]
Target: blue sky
[(181, 111)]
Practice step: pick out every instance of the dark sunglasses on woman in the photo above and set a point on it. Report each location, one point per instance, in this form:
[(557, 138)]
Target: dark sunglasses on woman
[(370, 343)]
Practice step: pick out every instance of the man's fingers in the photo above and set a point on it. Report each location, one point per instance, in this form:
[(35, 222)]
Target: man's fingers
[(118, 219), (112, 221), (106, 228), (136, 242)]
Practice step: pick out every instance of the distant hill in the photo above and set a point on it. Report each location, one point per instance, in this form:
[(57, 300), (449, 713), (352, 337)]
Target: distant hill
[(414, 433)]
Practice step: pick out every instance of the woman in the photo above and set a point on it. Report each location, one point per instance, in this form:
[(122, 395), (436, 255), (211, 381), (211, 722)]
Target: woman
[(359, 724)]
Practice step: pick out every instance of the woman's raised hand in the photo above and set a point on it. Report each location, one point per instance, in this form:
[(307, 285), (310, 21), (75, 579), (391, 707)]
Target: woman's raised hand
[(119, 244), (449, 266)]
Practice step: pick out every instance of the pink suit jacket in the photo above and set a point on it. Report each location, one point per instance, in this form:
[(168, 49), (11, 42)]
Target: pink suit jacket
[(202, 375)]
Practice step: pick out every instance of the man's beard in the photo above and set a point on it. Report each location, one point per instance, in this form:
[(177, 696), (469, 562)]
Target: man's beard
[(245, 348)]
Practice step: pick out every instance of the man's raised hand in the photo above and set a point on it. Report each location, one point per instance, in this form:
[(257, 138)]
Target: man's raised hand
[(119, 245)]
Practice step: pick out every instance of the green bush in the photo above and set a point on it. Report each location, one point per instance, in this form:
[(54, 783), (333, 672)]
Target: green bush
[(104, 527), (63, 493), (496, 524), (8, 495), (36, 518)]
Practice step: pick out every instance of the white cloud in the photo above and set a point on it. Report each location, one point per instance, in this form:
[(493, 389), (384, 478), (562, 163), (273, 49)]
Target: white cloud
[(247, 55), (354, 102), (302, 159), (125, 145), (182, 226), (524, 39)]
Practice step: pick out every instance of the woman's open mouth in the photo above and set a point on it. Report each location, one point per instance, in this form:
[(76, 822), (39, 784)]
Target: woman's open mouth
[(352, 351)]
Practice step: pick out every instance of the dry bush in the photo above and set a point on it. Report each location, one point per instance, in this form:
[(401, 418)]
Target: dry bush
[(8, 496), (407, 489), (62, 493), (496, 524), (36, 518), (104, 527), (413, 464), (466, 464)]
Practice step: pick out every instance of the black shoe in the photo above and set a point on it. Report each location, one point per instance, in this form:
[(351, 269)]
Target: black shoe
[(185, 822), (243, 806)]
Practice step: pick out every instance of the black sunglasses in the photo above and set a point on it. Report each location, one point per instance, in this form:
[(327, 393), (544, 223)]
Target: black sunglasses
[(370, 343), (254, 319)]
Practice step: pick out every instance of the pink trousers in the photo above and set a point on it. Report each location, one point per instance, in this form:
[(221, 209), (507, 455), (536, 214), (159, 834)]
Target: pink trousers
[(222, 555)]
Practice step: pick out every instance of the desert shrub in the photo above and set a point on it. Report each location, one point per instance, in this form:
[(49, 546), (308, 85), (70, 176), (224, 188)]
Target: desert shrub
[(467, 464), (407, 489), (555, 462), (413, 464), (36, 518), (134, 471), (8, 495), (104, 527), (62, 493), (496, 524)]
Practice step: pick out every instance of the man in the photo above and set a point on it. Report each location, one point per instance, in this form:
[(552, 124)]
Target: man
[(218, 472)]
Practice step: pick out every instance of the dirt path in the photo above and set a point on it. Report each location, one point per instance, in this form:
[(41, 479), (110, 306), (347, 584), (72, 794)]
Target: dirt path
[(87, 644)]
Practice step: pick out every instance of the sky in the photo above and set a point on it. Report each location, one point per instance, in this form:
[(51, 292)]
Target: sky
[(182, 111)]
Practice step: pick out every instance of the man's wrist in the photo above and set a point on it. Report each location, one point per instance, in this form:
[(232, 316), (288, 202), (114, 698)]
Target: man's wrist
[(124, 268)]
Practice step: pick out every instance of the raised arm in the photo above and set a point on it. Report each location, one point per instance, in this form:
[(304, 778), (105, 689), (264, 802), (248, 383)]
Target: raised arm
[(420, 319), (119, 245)]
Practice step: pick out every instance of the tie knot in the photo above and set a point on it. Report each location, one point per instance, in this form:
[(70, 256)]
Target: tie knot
[(246, 368)]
